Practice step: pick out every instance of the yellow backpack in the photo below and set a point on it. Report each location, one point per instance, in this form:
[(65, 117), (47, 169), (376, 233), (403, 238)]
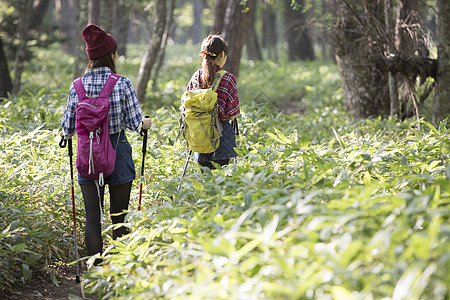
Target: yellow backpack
[(199, 122)]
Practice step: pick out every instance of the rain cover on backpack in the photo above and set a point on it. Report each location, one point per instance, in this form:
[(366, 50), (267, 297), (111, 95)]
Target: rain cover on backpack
[(199, 122), (96, 156)]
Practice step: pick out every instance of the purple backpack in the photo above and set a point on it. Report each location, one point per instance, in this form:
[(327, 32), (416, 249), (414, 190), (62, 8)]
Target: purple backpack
[(96, 155)]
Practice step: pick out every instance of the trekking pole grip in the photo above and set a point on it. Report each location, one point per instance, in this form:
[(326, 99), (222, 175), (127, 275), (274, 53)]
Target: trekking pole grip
[(144, 133), (70, 147)]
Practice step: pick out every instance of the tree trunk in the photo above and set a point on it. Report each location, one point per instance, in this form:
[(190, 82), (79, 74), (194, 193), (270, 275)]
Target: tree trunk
[(197, 25), (106, 14), (269, 35), (300, 45), (365, 88), (24, 9), (253, 49), (441, 104), (405, 47), (5, 79), (122, 17), (40, 9), (66, 15), (162, 51), (234, 31), (220, 9), (82, 21), (94, 12), (153, 48), (31, 15), (333, 9), (393, 87)]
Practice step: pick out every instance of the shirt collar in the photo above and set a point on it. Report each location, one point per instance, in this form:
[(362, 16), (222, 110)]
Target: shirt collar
[(97, 71), (218, 68)]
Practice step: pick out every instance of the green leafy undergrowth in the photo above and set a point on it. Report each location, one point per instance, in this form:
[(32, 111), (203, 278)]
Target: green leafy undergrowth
[(317, 206), (357, 213), (35, 208)]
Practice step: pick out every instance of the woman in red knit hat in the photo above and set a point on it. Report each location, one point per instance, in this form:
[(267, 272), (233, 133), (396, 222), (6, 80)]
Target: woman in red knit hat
[(125, 112)]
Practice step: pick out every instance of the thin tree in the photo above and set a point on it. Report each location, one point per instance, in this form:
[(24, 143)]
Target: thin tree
[(5, 78), (106, 14), (82, 21), (121, 25), (66, 16), (31, 14), (165, 39), (300, 46), (153, 48), (393, 89), (252, 43), (94, 7), (269, 34), (197, 24)]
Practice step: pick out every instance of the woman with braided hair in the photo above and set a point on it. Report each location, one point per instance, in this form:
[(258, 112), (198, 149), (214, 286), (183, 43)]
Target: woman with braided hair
[(214, 50)]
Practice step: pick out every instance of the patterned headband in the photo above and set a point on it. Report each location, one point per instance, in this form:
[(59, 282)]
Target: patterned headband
[(204, 53)]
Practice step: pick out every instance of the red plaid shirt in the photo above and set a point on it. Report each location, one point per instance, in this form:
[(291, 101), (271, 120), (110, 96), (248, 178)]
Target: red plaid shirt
[(227, 96)]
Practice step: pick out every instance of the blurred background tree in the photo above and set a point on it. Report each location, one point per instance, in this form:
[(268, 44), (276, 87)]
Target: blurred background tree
[(385, 50)]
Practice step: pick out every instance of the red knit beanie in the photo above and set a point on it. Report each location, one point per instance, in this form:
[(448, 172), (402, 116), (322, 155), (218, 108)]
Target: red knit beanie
[(98, 41)]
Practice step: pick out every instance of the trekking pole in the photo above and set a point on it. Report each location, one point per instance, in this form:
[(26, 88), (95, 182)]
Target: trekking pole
[(62, 144), (144, 150), (184, 170), (236, 132)]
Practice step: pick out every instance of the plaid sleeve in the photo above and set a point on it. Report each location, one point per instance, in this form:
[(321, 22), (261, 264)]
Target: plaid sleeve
[(227, 97), (130, 103), (68, 119)]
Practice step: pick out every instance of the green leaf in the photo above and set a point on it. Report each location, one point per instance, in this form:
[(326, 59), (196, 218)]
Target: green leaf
[(339, 139), (33, 258), (198, 186), (341, 293), (429, 125), (279, 137), (26, 273), (19, 247), (219, 246), (304, 143)]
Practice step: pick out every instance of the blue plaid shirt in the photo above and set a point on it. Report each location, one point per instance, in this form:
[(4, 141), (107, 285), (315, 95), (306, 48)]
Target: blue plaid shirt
[(124, 112)]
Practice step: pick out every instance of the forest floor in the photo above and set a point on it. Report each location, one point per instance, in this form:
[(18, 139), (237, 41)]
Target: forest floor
[(291, 106), (41, 287)]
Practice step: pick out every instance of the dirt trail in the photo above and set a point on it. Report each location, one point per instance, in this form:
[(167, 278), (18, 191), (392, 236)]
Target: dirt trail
[(41, 287)]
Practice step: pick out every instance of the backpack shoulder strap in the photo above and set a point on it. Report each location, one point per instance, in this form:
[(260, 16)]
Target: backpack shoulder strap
[(217, 80), (79, 88), (196, 80), (109, 85)]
